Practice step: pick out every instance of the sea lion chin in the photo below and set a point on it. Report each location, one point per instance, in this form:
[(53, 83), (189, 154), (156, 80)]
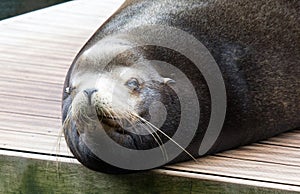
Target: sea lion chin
[(115, 86)]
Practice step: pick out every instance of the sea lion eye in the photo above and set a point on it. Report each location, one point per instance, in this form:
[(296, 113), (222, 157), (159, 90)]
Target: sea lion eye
[(133, 83)]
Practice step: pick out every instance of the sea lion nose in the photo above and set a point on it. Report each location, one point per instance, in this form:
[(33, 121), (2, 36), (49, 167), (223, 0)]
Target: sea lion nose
[(89, 93)]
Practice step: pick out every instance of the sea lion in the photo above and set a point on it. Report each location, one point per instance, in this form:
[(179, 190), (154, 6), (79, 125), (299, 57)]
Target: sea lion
[(115, 85)]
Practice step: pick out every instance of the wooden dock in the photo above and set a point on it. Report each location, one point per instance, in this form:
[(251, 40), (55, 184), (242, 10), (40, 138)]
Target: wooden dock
[(36, 50)]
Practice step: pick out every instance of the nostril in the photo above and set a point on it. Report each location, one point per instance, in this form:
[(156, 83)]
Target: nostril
[(89, 93)]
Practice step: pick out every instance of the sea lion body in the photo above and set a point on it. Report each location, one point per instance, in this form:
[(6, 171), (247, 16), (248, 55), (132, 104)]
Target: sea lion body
[(256, 45)]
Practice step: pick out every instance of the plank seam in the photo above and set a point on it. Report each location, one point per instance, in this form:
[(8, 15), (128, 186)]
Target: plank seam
[(235, 177), (37, 153), (27, 114), (248, 159)]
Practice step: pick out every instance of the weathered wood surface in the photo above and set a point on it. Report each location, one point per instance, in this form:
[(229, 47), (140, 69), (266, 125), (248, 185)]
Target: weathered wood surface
[(35, 52), (22, 175)]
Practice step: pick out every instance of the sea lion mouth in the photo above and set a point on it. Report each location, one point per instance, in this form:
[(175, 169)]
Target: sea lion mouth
[(114, 124), (111, 121)]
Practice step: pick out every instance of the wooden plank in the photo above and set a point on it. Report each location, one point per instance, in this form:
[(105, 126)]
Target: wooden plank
[(30, 124), (35, 143), (35, 52), (22, 175), (242, 169), (290, 139), (220, 179), (266, 153), (30, 89), (34, 74), (29, 106), (46, 157)]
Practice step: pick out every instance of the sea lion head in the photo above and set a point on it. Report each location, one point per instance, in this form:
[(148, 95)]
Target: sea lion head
[(113, 88)]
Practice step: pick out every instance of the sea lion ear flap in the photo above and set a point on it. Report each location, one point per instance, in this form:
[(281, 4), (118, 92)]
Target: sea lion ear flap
[(168, 81)]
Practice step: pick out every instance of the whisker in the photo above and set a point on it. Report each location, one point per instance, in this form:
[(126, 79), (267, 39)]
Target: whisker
[(159, 142), (66, 124), (144, 120), (128, 117)]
